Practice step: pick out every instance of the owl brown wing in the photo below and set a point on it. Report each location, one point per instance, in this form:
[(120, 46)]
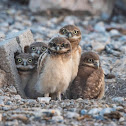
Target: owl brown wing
[(75, 90), (94, 85), (41, 62)]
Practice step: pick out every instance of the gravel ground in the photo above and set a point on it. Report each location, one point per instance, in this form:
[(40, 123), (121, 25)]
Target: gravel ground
[(107, 39)]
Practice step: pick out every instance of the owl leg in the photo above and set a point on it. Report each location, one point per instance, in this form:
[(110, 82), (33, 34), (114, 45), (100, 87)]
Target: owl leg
[(46, 95), (59, 96)]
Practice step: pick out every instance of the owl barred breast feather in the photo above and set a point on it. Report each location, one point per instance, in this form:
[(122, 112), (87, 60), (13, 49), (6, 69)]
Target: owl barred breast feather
[(89, 83), (56, 71)]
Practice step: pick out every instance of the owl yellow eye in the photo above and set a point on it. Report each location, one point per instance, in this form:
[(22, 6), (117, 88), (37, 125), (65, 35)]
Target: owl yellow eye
[(43, 48), (19, 60), (29, 60), (33, 48), (75, 32), (90, 60)]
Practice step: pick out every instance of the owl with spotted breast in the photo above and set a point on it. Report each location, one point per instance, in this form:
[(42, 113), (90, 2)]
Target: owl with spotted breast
[(56, 70), (73, 34), (89, 83)]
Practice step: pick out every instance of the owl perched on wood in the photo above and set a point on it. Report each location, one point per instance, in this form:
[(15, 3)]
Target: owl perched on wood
[(55, 75), (25, 64), (36, 49), (73, 34), (89, 83)]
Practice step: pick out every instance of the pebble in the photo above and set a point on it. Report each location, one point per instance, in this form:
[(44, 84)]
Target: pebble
[(2, 36), (118, 99), (121, 119), (106, 111), (1, 92), (99, 47), (83, 112), (44, 99), (49, 112), (114, 32), (18, 97), (12, 90), (99, 27), (1, 102), (0, 117), (57, 118), (94, 111), (72, 115)]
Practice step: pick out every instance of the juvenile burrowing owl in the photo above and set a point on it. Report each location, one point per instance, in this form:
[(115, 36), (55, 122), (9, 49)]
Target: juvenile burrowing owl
[(56, 72), (36, 49), (25, 64), (73, 34), (89, 82)]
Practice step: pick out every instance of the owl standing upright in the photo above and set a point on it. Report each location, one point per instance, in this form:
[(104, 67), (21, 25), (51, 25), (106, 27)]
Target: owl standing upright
[(25, 64), (55, 75), (73, 34), (89, 83)]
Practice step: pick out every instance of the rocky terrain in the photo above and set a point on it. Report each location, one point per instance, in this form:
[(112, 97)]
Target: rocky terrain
[(108, 39)]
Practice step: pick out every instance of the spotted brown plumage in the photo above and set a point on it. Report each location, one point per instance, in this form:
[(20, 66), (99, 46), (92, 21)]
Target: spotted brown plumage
[(89, 83)]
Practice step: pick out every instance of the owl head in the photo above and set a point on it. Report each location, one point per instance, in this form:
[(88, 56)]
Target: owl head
[(90, 59), (25, 62), (70, 32), (59, 45), (37, 48)]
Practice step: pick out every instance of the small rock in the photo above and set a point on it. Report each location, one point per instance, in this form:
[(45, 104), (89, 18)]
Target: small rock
[(2, 36), (72, 115), (99, 47), (121, 119), (1, 92), (118, 99), (83, 112), (107, 110), (47, 112), (1, 102), (0, 117), (57, 118), (21, 117), (44, 99), (94, 111), (9, 103), (114, 32), (99, 27), (12, 90), (31, 101), (17, 97)]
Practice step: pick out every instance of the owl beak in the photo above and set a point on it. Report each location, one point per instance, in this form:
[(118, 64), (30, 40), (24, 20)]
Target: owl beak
[(25, 63), (38, 51), (57, 48), (96, 63), (69, 35)]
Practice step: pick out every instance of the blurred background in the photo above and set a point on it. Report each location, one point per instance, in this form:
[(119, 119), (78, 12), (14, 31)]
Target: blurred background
[(102, 23)]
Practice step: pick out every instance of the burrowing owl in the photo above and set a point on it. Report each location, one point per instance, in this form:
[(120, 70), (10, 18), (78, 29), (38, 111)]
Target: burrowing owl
[(73, 34), (56, 72), (89, 82), (37, 48), (25, 64)]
